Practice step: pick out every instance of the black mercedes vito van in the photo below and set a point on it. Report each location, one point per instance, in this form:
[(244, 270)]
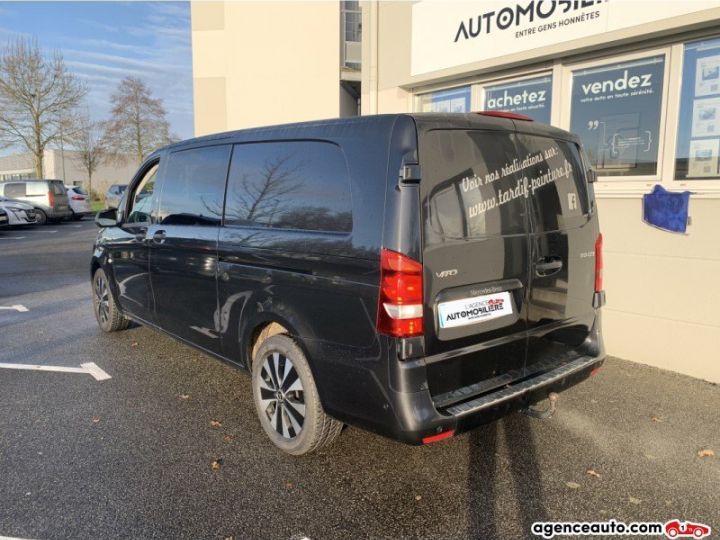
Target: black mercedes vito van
[(413, 275)]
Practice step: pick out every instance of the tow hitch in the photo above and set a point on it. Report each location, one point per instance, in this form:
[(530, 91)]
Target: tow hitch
[(542, 414)]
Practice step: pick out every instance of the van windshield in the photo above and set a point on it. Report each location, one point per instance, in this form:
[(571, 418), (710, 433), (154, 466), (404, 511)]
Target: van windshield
[(476, 184)]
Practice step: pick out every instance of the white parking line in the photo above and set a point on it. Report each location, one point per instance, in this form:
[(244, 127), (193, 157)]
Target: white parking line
[(89, 368), (16, 307), (11, 238), (12, 538)]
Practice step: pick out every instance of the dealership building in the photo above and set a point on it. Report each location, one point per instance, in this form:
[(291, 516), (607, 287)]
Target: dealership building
[(638, 81)]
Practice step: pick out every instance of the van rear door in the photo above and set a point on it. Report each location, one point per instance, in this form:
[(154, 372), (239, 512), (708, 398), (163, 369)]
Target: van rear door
[(476, 261), (564, 228), (61, 203)]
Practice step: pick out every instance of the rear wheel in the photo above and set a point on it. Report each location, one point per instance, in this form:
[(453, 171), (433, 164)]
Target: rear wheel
[(287, 400), (106, 311), (40, 217)]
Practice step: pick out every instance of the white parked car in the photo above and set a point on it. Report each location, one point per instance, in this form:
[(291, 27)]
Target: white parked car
[(114, 195), (18, 212), (79, 202)]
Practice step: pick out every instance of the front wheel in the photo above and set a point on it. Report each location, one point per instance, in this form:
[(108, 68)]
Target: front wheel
[(106, 311), (287, 400)]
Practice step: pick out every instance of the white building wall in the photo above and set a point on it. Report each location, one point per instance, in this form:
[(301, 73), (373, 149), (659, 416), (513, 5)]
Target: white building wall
[(263, 63)]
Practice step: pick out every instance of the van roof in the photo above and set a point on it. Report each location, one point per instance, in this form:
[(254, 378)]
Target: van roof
[(339, 127)]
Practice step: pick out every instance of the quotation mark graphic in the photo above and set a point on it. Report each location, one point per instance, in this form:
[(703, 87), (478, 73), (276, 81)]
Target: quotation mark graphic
[(593, 124)]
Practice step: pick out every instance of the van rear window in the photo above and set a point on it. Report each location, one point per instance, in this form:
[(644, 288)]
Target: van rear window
[(480, 183), (58, 188)]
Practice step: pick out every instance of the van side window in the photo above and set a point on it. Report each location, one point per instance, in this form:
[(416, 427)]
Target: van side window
[(38, 188), (194, 186), (14, 190), (303, 185), (142, 198)]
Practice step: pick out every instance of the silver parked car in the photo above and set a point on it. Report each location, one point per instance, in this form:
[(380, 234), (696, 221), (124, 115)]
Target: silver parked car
[(18, 212), (79, 202), (114, 194), (48, 197)]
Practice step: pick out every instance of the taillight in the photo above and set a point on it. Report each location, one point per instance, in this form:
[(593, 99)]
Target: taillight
[(507, 114), (400, 306), (51, 199), (599, 263), (78, 198)]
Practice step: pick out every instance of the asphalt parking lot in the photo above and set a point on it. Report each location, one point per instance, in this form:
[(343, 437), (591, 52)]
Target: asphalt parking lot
[(132, 456)]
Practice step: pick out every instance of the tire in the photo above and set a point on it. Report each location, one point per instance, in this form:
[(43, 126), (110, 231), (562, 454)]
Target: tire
[(281, 401), (76, 217), (107, 314), (40, 217)]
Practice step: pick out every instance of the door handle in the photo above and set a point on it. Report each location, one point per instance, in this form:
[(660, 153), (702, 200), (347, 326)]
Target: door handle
[(141, 235), (548, 266), (159, 237)]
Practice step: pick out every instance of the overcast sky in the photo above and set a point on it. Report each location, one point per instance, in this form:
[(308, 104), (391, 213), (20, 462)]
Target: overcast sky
[(103, 42)]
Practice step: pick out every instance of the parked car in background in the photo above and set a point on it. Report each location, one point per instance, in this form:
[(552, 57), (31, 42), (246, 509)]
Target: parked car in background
[(48, 197), (114, 194), (413, 275), (18, 212), (3, 219), (79, 202)]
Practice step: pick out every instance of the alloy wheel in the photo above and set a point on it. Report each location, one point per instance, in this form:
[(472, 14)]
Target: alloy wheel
[(282, 397), (102, 299)]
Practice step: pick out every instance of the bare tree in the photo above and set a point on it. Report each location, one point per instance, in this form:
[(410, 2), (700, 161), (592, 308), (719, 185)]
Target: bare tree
[(138, 123), (86, 137), (37, 97), (260, 196)]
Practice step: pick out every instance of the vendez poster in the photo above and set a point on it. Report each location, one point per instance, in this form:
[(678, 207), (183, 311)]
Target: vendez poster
[(616, 112)]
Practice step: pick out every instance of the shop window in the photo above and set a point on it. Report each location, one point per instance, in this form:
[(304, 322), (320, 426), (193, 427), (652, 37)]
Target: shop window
[(698, 143), (531, 97), (456, 100), (615, 109)]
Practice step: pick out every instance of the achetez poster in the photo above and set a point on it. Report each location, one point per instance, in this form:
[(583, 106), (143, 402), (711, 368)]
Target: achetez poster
[(531, 97), (703, 160), (706, 118), (707, 76)]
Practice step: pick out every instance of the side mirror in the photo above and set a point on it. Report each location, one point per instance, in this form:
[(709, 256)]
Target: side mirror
[(106, 218), (591, 176)]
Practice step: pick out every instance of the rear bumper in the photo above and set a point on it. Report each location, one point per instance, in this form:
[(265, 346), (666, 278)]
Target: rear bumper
[(420, 417), (398, 404)]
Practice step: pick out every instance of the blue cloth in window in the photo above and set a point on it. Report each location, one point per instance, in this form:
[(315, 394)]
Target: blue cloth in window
[(666, 210)]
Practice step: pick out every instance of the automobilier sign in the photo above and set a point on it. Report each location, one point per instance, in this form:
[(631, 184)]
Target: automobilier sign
[(449, 34)]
